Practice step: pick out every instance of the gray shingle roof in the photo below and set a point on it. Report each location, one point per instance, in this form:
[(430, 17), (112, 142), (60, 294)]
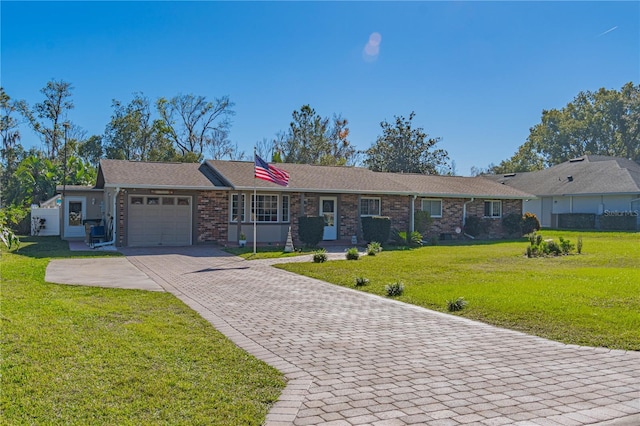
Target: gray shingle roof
[(311, 178), (128, 174), (587, 175)]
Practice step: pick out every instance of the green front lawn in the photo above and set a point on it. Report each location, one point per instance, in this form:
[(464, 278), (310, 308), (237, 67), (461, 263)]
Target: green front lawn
[(86, 355), (590, 299)]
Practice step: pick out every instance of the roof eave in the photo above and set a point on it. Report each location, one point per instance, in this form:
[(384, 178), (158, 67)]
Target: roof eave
[(174, 187)]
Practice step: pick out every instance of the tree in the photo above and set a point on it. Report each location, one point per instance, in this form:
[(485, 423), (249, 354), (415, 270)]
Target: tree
[(312, 139), (11, 149), (47, 118), (606, 122), (132, 134), (194, 124), (402, 148)]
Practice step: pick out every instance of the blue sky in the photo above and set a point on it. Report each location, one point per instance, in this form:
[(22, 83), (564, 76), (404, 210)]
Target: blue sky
[(477, 74)]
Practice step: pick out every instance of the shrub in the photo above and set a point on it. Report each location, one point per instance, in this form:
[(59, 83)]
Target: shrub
[(475, 226), (422, 220), (566, 246), (320, 256), (579, 246), (373, 248), (376, 228), (456, 305), (361, 281), (399, 238), (530, 223), (310, 230), (512, 223), (415, 239), (352, 254), (394, 289), (539, 247)]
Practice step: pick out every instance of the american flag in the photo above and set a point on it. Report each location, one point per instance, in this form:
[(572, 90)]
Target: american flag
[(269, 173)]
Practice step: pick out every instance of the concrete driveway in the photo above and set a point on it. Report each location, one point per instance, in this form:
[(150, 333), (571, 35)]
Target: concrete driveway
[(353, 358)]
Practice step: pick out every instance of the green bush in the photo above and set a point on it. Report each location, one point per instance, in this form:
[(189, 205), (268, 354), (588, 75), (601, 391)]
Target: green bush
[(376, 228), (361, 281), (399, 238), (456, 305), (579, 245), (352, 254), (394, 289), (320, 256), (373, 248), (538, 247), (530, 223), (415, 239), (475, 226), (310, 230), (422, 220)]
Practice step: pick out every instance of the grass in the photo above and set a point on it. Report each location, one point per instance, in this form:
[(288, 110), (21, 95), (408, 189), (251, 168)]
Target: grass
[(591, 299), (86, 355), (265, 252)]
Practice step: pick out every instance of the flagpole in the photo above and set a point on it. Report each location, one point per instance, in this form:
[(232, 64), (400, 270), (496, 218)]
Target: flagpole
[(255, 200)]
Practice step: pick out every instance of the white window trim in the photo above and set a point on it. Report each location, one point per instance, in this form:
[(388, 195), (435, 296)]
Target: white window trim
[(281, 208), (278, 208), (370, 198), (491, 212), (433, 199), (242, 206)]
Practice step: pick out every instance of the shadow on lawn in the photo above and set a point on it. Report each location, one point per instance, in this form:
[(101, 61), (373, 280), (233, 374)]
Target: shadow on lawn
[(53, 247)]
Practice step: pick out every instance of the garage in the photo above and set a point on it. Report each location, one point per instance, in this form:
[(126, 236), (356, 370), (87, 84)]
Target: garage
[(159, 221)]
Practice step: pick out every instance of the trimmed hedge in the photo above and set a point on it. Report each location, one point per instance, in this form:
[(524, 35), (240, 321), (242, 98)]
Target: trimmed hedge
[(577, 221), (310, 230), (376, 228), (618, 223)]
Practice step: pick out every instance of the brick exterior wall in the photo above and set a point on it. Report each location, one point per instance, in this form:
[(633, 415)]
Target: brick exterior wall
[(212, 216), (452, 211), (396, 207), (349, 217)]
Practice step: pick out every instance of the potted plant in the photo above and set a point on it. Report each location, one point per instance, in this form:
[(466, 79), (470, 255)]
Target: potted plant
[(243, 239)]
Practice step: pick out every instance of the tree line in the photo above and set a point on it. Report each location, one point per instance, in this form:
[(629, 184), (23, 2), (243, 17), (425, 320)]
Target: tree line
[(183, 128), (188, 128)]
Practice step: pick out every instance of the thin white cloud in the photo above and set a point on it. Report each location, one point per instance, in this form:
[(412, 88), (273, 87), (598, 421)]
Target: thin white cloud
[(372, 48), (608, 31)]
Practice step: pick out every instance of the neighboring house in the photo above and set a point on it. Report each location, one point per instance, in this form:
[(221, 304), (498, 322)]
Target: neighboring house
[(149, 204), (590, 186)]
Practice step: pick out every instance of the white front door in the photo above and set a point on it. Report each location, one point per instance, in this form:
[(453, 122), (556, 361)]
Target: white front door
[(328, 211), (75, 211)]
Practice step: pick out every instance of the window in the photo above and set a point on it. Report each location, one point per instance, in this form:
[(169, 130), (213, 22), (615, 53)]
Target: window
[(369, 206), (492, 208), (168, 201), (236, 207), (285, 208), (267, 208), (153, 201), (434, 207), (183, 201)]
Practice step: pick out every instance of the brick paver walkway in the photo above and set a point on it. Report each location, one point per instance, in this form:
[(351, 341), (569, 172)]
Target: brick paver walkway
[(353, 358)]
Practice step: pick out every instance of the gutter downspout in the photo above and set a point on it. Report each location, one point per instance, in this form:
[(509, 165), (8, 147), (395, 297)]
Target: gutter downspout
[(464, 216), (113, 217)]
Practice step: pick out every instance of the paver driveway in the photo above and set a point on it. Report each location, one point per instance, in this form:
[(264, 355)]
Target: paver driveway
[(353, 358)]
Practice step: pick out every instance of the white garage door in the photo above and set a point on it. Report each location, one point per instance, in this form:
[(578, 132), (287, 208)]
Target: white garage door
[(159, 221)]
